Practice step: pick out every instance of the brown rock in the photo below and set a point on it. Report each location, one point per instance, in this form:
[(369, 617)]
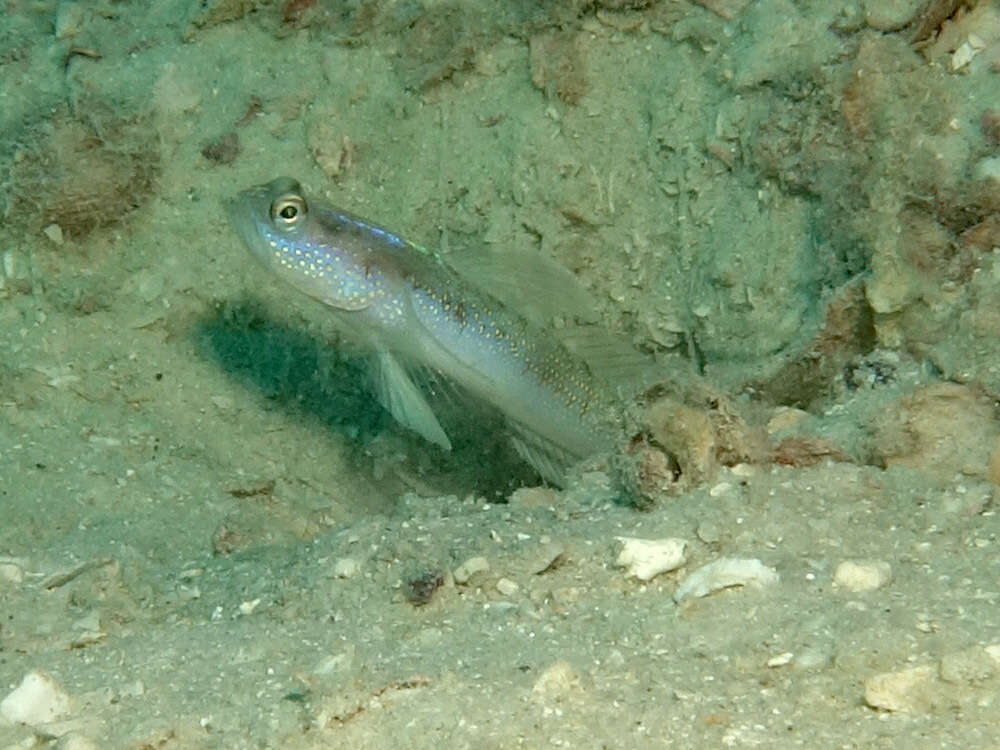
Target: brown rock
[(943, 430)]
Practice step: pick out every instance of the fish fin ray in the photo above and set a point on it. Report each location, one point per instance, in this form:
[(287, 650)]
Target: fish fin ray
[(403, 399), (536, 286), (611, 358), (545, 457)]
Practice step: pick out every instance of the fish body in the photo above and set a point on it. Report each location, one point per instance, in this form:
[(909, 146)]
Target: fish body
[(418, 315)]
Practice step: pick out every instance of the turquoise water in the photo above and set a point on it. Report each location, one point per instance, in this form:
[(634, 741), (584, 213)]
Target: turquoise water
[(790, 205)]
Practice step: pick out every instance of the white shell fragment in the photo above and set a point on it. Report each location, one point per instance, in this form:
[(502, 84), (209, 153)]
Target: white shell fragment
[(781, 659), (723, 573), (39, 699), (967, 50), (647, 558)]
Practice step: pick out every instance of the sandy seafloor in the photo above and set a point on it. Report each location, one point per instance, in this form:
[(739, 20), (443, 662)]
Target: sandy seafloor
[(208, 528)]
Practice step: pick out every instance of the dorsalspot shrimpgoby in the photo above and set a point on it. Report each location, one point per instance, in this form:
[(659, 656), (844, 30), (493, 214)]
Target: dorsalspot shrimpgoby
[(422, 320)]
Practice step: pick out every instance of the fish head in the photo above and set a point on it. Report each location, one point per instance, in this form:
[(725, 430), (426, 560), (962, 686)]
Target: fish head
[(275, 223)]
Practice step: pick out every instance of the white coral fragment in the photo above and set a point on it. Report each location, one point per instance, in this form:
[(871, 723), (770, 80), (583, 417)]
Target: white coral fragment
[(647, 558)]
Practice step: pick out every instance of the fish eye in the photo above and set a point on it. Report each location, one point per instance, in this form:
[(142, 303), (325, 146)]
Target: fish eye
[(288, 210)]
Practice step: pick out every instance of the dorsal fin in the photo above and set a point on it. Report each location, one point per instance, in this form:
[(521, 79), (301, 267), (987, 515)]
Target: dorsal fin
[(527, 282)]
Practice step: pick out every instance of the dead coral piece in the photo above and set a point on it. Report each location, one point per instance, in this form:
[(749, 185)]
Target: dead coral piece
[(557, 65), (942, 430), (702, 433), (621, 5), (728, 9), (441, 42), (686, 433), (883, 15), (919, 271), (254, 107), (969, 41), (211, 13), (293, 11), (982, 237), (223, 150), (805, 450), (990, 125), (911, 258), (332, 149), (887, 93), (908, 690), (959, 681), (848, 330), (83, 175), (935, 14), (656, 472)]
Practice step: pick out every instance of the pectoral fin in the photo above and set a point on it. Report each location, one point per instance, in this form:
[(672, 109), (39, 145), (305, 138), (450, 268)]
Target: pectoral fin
[(402, 398)]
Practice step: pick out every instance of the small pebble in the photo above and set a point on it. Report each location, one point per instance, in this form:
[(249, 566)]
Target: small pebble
[(993, 651), (988, 169), (862, 575), (556, 682), (74, 741), (507, 587), (420, 589), (709, 532), (346, 567), (785, 418), (470, 568), (11, 572), (55, 234)]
